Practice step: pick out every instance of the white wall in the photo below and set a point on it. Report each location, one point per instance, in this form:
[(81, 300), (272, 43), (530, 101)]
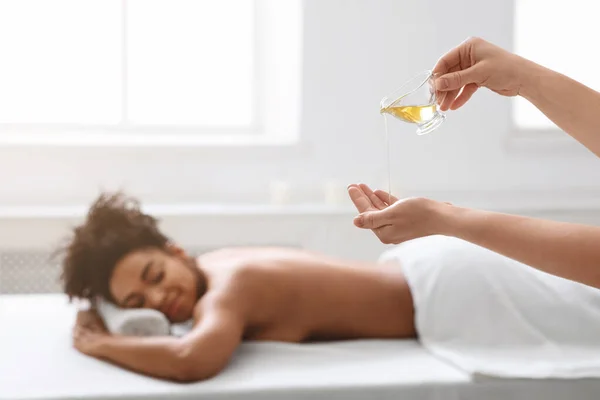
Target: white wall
[(355, 52)]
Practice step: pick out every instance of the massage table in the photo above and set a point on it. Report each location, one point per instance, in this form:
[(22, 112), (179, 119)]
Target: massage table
[(37, 361)]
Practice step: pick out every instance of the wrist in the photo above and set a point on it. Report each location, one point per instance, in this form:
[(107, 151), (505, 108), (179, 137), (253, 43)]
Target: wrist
[(103, 345), (529, 74), (451, 220)]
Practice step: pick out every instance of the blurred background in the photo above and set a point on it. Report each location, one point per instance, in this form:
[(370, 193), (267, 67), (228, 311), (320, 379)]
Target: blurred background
[(243, 121)]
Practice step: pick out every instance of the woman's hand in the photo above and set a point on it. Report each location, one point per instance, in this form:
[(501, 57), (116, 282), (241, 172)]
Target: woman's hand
[(476, 63), (395, 221), (89, 333)]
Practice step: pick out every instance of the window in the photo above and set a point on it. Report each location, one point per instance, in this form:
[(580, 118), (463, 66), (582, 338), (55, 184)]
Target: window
[(148, 67), (561, 36)]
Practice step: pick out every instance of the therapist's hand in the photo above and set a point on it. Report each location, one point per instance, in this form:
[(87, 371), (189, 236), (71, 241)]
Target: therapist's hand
[(477, 63), (395, 221)]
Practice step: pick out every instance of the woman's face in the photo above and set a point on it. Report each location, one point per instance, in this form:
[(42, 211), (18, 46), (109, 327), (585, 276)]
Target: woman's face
[(164, 280)]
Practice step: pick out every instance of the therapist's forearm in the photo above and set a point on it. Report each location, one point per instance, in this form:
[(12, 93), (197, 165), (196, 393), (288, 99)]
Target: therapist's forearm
[(572, 106), (571, 251)]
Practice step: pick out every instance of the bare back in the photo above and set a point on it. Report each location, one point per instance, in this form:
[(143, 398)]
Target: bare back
[(293, 295)]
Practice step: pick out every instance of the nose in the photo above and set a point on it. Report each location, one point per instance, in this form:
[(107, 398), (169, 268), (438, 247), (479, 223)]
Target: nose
[(154, 298)]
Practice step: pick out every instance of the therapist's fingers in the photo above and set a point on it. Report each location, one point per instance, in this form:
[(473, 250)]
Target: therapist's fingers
[(372, 220), (464, 96), (458, 79), (361, 201), (455, 68), (386, 197), (448, 61), (454, 72), (448, 100), (375, 200)]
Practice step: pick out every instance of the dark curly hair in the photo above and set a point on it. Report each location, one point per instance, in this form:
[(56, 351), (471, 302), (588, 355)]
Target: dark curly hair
[(114, 227)]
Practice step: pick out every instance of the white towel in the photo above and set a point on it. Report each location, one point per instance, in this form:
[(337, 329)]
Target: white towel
[(182, 329), (133, 322), (495, 317)]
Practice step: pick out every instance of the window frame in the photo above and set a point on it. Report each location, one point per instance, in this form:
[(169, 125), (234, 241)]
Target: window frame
[(534, 139), (264, 130)]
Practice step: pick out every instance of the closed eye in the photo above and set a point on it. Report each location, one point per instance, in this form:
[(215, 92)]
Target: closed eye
[(159, 277), (152, 273)]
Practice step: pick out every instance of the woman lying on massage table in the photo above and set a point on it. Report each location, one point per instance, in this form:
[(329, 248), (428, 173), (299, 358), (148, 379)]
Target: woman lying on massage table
[(457, 289), (290, 295)]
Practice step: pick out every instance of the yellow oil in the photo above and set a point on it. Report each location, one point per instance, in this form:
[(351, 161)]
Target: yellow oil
[(412, 114), (389, 169)]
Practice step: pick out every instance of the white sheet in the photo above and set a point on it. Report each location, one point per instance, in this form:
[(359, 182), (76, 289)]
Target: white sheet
[(37, 361), (493, 316)]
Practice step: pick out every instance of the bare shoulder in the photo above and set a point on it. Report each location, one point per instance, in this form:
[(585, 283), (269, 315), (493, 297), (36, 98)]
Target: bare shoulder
[(231, 295)]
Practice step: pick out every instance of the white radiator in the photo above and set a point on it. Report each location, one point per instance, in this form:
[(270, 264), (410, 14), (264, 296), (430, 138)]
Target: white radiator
[(23, 271), (34, 271)]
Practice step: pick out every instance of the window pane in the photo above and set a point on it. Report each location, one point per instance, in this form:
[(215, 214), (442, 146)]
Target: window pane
[(60, 61), (190, 62), (560, 37)]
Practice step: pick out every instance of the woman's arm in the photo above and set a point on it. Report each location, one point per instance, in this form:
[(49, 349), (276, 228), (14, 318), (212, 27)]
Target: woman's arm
[(571, 251), (201, 354), (572, 106)]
